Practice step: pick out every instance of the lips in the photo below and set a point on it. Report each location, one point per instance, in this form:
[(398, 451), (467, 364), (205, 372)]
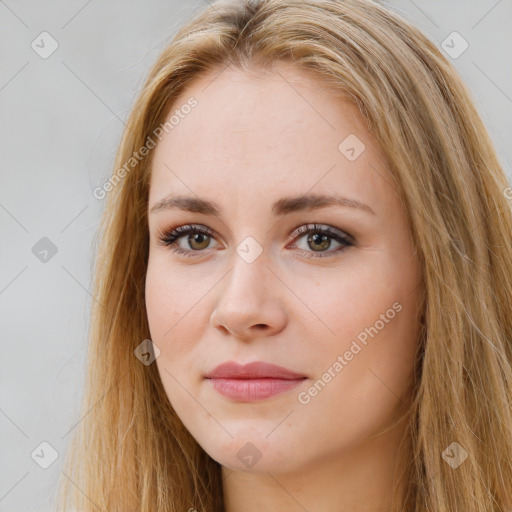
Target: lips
[(253, 381), (255, 370)]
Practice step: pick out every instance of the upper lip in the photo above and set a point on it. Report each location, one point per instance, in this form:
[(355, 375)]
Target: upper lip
[(255, 370)]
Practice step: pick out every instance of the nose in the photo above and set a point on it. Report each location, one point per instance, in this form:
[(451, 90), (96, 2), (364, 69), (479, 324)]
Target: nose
[(250, 302)]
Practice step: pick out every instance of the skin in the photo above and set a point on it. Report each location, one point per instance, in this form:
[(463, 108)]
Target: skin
[(252, 140)]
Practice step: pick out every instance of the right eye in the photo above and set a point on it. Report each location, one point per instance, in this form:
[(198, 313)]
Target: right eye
[(198, 235)]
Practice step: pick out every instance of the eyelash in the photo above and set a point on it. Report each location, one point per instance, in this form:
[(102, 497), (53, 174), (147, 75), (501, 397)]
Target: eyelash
[(170, 236)]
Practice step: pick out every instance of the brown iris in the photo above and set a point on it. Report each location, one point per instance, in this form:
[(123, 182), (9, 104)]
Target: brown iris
[(319, 239), (200, 238)]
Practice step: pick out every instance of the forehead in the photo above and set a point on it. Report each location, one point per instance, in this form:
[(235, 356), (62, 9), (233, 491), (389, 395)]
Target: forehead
[(281, 131)]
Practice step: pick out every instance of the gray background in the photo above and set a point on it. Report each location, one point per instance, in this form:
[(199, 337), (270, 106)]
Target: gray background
[(61, 119)]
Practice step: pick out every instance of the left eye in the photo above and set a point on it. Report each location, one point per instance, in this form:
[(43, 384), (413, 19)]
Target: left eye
[(317, 238), (320, 239)]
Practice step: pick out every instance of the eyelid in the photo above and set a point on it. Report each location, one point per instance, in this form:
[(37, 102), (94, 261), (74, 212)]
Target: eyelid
[(326, 228)]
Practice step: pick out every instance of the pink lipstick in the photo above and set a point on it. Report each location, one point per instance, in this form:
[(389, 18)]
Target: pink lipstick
[(253, 381)]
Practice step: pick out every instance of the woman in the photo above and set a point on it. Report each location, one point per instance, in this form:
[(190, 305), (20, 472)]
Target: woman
[(303, 289)]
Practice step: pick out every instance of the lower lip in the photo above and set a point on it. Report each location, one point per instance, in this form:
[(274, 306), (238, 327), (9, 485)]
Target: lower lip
[(249, 390)]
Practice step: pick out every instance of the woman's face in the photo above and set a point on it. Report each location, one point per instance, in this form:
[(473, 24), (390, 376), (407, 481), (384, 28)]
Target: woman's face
[(258, 158)]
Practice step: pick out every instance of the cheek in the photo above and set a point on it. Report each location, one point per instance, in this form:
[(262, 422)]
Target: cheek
[(170, 296), (345, 300), (166, 310), (177, 316), (159, 304), (166, 317), (363, 392), (368, 312)]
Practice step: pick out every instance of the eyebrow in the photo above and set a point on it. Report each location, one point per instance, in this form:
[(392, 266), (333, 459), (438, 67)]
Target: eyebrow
[(283, 206)]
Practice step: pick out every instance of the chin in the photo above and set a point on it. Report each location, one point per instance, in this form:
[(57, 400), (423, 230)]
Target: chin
[(255, 452)]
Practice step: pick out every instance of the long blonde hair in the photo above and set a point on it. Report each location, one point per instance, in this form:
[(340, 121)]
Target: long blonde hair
[(130, 451)]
